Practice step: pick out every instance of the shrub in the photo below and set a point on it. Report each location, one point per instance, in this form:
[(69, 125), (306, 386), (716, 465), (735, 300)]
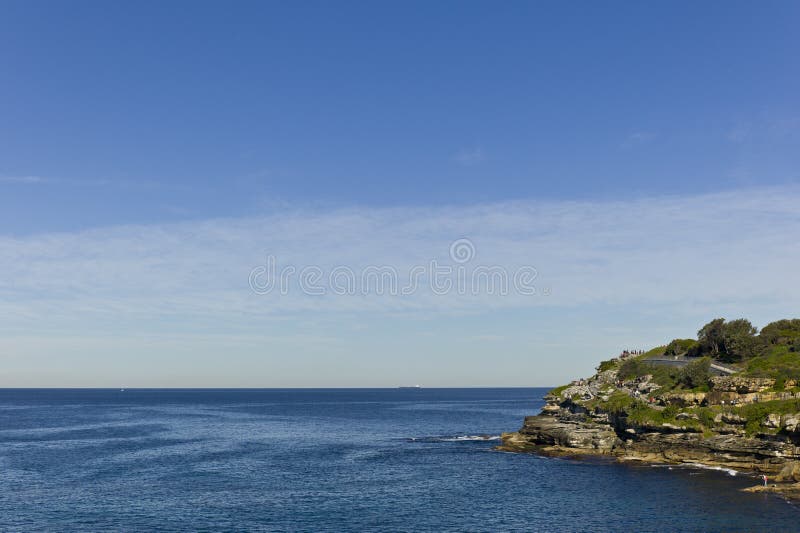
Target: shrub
[(696, 374), (785, 332), (618, 402), (706, 416), (681, 346), (729, 341), (781, 363), (658, 350), (757, 412), (631, 368), (606, 365)]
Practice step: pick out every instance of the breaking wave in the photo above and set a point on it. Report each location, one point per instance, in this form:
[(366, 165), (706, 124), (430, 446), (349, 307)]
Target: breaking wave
[(455, 438), (700, 466)]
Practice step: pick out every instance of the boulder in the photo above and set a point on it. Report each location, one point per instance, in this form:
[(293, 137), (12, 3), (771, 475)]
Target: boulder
[(731, 418), (547, 431), (740, 385), (790, 472), (791, 423), (773, 420)]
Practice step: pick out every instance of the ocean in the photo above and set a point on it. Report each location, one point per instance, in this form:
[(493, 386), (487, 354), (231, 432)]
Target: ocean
[(331, 460)]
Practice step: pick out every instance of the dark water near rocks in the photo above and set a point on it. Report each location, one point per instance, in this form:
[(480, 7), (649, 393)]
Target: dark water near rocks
[(391, 460)]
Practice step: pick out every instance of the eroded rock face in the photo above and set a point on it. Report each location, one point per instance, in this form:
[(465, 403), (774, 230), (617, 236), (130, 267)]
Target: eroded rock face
[(741, 385), (773, 420), (566, 426), (791, 423), (573, 422), (551, 431), (664, 443), (730, 418), (789, 472), (685, 398)]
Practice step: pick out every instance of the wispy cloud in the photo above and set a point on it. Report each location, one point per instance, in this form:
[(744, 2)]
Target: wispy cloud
[(27, 180), (738, 133), (764, 127), (637, 138), (469, 156), (729, 247), (92, 307), (488, 338), (35, 180)]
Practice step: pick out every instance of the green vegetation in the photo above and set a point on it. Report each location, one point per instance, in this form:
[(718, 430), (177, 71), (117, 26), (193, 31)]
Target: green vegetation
[(696, 375), (618, 402), (681, 347), (783, 333), (739, 342), (755, 413), (606, 365), (639, 413), (643, 414), (772, 353), (658, 350), (706, 416), (781, 363), (633, 368), (558, 390), (729, 341)]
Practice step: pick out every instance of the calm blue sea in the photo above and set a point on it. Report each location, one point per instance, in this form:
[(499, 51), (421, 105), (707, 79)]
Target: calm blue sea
[(335, 460)]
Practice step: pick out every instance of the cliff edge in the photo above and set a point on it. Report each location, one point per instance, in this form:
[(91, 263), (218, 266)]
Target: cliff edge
[(642, 407)]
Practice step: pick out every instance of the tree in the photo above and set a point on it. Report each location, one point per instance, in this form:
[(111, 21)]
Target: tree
[(710, 337), (681, 347), (785, 332), (696, 374), (729, 341), (739, 341)]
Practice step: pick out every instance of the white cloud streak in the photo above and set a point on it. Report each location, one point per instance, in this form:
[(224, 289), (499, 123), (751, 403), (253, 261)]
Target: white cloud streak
[(637, 138), (24, 180), (469, 156), (707, 250)]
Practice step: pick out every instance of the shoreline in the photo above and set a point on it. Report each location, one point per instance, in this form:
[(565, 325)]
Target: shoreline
[(787, 490), (738, 424)]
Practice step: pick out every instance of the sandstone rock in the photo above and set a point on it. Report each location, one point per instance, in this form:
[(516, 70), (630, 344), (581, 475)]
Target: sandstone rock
[(740, 384), (731, 418), (567, 427), (685, 398), (790, 472), (773, 420), (791, 423), (547, 431), (730, 430)]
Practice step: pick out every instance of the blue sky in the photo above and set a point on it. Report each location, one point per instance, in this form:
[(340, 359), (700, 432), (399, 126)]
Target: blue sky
[(152, 154)]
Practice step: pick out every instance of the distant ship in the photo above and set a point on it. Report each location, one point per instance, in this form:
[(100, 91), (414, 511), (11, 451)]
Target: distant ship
[(410, 388)]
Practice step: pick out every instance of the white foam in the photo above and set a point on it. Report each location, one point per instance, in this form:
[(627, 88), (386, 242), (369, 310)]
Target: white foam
[(699, 466), (729, 471), (470, 438), (455, 438)]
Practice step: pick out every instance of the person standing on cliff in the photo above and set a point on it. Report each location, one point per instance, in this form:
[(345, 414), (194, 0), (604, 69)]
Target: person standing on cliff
[(764, 477)]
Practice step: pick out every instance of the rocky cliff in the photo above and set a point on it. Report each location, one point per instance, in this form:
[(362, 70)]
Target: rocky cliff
[(738, 423)]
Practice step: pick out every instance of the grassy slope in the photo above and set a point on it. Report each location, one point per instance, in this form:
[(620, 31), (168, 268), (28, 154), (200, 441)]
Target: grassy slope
[(779, 363)]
